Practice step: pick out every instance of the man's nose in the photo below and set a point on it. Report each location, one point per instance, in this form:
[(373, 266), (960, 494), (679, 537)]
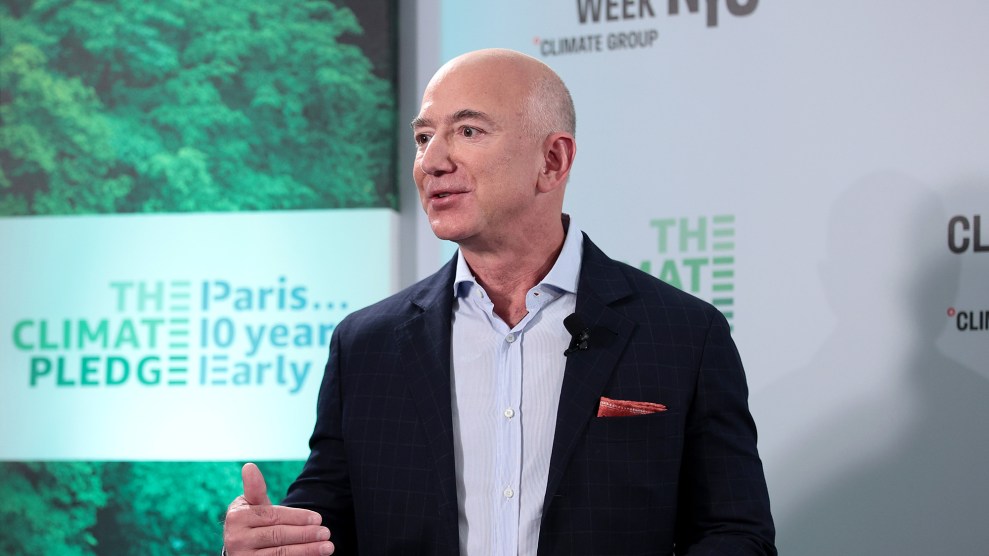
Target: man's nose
[(435, 159)]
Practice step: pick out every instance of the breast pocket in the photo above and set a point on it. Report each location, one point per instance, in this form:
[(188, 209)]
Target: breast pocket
[(663, 425), (626, 464)]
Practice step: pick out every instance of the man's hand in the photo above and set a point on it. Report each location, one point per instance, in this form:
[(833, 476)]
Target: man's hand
[(254, 526)]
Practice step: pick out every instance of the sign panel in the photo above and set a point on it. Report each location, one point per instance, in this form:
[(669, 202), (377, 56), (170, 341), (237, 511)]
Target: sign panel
[(177, 337)]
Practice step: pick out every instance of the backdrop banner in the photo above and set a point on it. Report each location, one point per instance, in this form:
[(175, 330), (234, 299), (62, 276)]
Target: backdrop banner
[(818, 172), (192, 196), (133, 332)]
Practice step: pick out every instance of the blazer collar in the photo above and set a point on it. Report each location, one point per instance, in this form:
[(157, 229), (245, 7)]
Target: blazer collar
[(436, 291)]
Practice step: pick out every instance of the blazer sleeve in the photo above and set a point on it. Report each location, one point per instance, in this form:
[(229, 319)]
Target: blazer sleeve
[(324, 483), (723, 499)]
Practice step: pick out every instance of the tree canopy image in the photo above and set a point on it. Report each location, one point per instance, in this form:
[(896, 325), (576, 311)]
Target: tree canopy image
[(123, 508), (189, 106)]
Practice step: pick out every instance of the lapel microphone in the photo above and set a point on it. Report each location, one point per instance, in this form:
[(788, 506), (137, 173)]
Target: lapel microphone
[(579, 332)]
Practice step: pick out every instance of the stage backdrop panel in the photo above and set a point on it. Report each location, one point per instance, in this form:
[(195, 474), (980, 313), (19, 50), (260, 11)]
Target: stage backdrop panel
[(818, 171), (192, 196)]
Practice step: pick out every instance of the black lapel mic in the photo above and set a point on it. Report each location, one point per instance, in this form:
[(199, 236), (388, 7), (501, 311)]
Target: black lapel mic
[(580, 334)]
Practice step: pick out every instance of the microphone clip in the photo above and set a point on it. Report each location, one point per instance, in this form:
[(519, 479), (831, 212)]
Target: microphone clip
[(580, 334)]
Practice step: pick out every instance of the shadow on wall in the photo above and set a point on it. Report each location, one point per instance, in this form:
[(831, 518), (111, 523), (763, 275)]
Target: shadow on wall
[(880, 445)]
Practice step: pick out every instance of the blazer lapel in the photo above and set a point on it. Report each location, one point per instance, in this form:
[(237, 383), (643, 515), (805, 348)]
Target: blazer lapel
[(587, 372), (424, 350)]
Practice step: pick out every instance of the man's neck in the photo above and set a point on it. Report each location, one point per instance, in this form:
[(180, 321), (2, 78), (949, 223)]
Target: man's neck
[(507, 274)]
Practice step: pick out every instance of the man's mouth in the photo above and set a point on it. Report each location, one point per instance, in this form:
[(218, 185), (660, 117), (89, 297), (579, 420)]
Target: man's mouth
[(445, 194)]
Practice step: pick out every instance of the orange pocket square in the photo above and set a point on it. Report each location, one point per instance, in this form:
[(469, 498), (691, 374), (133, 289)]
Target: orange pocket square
[(624, 408)]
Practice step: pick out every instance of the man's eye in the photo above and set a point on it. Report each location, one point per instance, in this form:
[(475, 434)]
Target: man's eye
[(421, 139), (469, 132)]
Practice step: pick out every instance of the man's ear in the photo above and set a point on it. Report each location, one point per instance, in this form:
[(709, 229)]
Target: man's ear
[(559, 150)]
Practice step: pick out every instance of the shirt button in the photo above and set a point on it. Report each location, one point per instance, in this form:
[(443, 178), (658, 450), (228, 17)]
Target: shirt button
[(509, 413), (509, 492), (510, 338)]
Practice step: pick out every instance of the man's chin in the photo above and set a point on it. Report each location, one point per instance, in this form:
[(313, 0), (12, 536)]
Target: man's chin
[(448, 233), (450, 237)]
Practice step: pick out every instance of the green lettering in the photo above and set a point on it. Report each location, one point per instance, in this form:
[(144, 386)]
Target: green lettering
[(96, 336), (699, 233), (19, 342), (152, 325), (88, 370), (40, 366), (663, 225), (60, 375), (155, 372), (111, 362), (695, 272), (126, 334), (670, 274), (45, 342), (121, 288)]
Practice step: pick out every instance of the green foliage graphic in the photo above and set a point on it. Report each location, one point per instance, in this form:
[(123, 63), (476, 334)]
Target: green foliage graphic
[(49, 508), (123, 508), (191, 105)]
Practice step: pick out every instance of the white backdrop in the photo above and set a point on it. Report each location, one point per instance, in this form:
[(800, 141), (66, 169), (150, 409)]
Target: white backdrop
[(799, 163)]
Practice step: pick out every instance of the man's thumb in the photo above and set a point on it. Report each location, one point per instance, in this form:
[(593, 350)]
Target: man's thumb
[(255, 491)]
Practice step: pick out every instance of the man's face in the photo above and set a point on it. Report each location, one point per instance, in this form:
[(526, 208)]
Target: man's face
[(475, 168)]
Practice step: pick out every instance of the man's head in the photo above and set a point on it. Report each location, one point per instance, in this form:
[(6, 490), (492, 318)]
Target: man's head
[(495, 140)]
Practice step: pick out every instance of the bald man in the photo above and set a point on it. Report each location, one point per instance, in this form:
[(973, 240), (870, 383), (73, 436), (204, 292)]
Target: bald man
[(463, 416)]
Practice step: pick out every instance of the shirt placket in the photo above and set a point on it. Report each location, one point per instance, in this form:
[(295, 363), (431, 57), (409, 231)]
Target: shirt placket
[(509, 442)]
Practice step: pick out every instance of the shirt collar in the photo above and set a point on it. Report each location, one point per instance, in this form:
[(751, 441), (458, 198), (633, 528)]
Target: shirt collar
[(563, 276)]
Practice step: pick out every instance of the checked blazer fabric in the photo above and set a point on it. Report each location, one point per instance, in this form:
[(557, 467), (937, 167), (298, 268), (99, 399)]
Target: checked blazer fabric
[(687, 480)]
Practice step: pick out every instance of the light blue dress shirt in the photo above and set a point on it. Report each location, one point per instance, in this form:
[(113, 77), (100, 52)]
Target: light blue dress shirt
[(506, 390)]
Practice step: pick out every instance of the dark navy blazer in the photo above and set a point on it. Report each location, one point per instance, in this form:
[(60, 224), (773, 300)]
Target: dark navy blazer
[(684, 481)]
